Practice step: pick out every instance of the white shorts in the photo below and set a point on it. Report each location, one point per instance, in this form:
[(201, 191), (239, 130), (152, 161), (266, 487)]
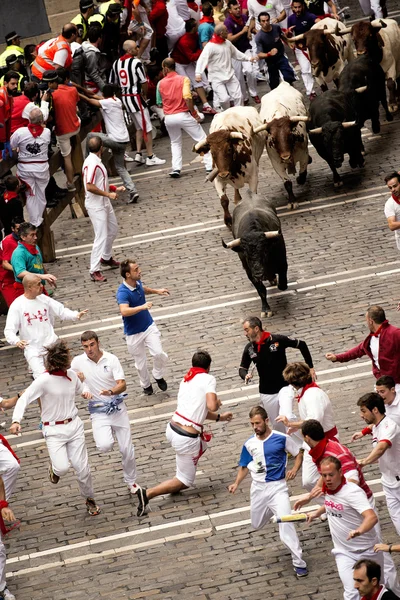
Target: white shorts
[(188, 451), (64, 142), (137, 118)]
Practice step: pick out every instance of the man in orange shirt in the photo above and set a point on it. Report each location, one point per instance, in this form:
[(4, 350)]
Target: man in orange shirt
[(173, 93), (55, 53), (68, 124)]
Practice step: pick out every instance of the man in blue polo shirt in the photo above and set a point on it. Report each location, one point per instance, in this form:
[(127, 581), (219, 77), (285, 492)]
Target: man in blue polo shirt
[(140, 330), (265, 456)]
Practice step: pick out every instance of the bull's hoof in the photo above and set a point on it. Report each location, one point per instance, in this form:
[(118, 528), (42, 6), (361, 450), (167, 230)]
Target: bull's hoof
[(293, 205), (389, 117), (228, 222), (376, 127), (267, 314), (393, 108), (337, 184), (273, 281), (301, 179)]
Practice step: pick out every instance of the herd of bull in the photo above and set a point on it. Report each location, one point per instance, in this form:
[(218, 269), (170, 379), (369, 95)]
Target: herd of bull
[(358, 60)]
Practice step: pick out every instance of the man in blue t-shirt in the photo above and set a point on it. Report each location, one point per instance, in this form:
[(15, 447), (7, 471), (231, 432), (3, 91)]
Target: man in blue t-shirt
[(300, 22), (206, 24), (265, 456), (140, 330), (270, 48)]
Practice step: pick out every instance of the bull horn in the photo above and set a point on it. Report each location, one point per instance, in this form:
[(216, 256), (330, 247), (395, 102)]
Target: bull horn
[(199, 145), (344, 31), (211, 176), (231, 244), (326, 31), (378, 23), (361, 90), (346, 124), (262, 127), (299, 118), (316, 130), (236, 135), (296, 38), (271, 234)]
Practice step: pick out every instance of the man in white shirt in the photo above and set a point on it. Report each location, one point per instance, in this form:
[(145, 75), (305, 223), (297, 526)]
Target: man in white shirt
[(197, 401), (32, 143), (313, 403), (117, 136), (386, 442), (104, 377), (274, 8), (392, 206), (6, 515), (30, 322), (217, 56), (265, 456), (100, 211), (390, 392), (62, 428), (351, 523)]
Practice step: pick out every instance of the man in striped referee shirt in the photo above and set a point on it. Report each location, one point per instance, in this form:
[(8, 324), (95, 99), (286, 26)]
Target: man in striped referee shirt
[(128, 73)]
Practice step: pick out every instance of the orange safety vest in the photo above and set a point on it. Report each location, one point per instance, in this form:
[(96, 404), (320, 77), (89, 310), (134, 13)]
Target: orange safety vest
[(45, 62)]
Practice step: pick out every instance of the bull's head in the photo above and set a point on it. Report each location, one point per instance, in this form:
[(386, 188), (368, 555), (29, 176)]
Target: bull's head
[(281, 135), (255, 247), (223, 147), (321, 48), (332, 136), (367, 39)]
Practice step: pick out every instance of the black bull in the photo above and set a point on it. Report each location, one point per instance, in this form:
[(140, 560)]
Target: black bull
[(260, 245)]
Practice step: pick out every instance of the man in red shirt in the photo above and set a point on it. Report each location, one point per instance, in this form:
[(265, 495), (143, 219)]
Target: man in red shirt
[(185, 54), (7, 247), (6, 104), (382, 345), (65, 101), (158, 18)]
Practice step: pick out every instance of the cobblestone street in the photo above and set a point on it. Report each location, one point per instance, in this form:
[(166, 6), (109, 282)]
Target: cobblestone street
[(199, 544)]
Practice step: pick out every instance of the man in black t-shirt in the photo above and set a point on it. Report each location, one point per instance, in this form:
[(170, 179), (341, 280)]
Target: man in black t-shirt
[(271, 49), (10, 203), (268, 352)]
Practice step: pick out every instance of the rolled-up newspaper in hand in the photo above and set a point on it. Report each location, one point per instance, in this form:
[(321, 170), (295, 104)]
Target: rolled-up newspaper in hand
[(289, 518)]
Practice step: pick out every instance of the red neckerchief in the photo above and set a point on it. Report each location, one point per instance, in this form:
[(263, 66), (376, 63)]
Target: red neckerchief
[(193, 6), (317, 452), (32, 249), (9, 196), (379, 330), (305, 388), (126, 56), (332, 492), (7, 445), (60, 373), (238, 20), (396, 199), (375, 596), (262, 2), (264, 336), (206, 20), (35, 129), (193, 371), (217, 39)]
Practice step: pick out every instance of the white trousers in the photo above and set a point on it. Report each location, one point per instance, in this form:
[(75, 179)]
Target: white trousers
[(367, 6), (389, 570), (10, 467), (66, 445), (393, 503), (36, 193), (270, 402), (35, 359), (2, 565), (246, 68), (105, 427), (345, 562), (137, 344), (190, 71), (285, 400), (177, 123), (306, 73), (272, 498), (309, 473), (188, 452), (227, 91), (105, 228)]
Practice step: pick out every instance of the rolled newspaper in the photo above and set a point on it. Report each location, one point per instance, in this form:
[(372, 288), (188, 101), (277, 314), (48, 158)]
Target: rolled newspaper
[(289, 518)]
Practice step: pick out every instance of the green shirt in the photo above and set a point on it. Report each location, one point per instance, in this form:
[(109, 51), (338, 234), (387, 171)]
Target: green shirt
[(23, 260)]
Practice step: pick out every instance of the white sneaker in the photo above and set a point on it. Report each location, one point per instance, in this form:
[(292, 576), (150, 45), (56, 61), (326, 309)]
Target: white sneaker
[(154, 160), (7, 594), (128, 158), (139, 158)]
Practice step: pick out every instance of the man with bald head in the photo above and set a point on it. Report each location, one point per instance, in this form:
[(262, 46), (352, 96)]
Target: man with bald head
[(217, 56), (55, 53), (30, 321), (173, 93), (128, 73), (32, 143)]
